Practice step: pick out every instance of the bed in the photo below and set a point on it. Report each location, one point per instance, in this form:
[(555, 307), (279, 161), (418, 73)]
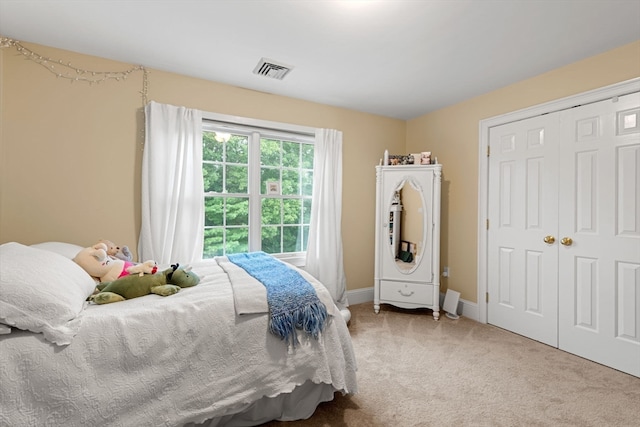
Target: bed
[(186, 359)]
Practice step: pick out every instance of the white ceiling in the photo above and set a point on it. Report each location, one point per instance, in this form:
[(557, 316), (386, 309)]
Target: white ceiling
[(397, 58)]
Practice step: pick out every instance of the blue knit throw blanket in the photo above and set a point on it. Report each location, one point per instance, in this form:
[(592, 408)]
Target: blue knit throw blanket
[(293, 302)]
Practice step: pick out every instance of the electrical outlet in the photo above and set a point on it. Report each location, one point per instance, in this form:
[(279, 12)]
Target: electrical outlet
[(445, 272)]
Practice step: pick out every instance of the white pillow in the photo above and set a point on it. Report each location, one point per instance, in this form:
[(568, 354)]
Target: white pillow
[(42, 291), (68, 250)]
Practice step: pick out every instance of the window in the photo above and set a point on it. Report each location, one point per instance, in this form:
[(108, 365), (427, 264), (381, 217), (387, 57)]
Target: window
[(257, 190)]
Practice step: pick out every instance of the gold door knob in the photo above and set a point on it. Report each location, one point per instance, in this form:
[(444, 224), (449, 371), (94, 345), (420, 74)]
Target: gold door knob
[(549, 239), (566, 241)]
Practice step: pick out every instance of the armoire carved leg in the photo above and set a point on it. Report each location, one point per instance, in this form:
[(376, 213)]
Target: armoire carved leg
[(376, 308), (436, 315)]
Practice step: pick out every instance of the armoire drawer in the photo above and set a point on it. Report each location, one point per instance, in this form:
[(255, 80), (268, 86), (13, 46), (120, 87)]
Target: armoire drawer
[(414, 293)]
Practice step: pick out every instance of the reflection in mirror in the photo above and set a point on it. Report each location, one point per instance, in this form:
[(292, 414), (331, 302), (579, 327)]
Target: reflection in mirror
[(406, 227)]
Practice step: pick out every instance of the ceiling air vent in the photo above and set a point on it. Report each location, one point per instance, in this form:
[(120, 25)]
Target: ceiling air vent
[(268, 68)]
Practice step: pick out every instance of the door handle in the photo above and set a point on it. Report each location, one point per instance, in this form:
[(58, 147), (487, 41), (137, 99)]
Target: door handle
[(549, 239), (405, 294), (567, 241)]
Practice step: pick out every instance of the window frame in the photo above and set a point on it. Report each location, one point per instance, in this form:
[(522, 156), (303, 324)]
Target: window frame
[(265, 129)]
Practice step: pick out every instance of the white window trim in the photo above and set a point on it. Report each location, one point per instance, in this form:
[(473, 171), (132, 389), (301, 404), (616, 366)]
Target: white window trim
[(271, 128), (261, 124)]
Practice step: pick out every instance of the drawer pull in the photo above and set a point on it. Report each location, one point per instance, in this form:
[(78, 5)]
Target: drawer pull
[(405, 294)]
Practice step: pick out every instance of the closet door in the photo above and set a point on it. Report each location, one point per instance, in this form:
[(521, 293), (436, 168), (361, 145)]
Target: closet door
[(564, 234), (523, 224), (599, 275)]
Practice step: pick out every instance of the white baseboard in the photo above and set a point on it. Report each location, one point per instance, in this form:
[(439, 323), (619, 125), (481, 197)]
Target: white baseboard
[(364, 295), (470, 310), (359, 296)]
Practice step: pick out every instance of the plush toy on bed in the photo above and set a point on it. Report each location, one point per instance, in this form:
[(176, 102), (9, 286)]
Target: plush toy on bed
[(119, 252), (95, 261), (164, 283)]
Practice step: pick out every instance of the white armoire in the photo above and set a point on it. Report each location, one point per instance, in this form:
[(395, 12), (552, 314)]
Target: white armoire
[(408, 277)]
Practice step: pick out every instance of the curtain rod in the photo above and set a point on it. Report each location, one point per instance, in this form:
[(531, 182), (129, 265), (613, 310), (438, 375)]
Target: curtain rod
[(223, 119)]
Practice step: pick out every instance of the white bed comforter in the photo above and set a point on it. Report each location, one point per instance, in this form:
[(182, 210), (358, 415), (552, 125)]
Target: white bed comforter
[(155, 361)]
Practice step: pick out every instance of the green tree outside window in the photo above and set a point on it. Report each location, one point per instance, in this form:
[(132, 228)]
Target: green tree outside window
[(284, 213)]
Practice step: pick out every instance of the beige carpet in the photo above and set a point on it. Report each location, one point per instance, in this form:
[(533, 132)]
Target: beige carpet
[(413, 371)]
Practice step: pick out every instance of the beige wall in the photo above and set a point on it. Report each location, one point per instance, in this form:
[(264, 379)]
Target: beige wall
[(70, 153), (452, 134)]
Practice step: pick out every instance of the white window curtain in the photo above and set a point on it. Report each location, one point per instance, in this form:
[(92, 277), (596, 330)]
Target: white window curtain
[(172, 185), (324, 251)]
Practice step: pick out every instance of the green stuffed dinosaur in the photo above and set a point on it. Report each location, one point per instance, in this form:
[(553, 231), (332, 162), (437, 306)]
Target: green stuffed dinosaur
[(164, 283)]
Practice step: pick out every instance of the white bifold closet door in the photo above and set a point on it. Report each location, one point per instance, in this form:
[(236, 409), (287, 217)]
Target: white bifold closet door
[(564, 230)]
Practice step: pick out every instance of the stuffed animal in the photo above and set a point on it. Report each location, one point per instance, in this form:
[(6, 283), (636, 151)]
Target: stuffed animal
[(118, 252), (95, 261), (165, 283)]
